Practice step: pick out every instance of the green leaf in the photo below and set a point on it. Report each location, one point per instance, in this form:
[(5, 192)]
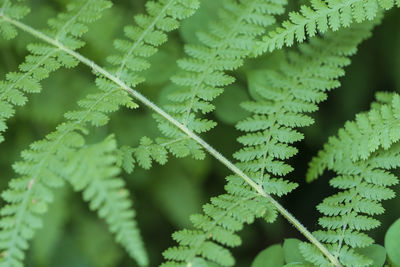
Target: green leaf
[(292, 252), (375, 252), (272, 256), (392, 243), (199, 262)]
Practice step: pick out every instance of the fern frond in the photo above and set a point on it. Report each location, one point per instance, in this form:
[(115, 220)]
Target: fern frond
[(44, 168), (150, 151), (202, 74), (284, 98), (38, 170), (68, 27), (44, 59), (14, 11), (93, 171), (224, 48), (321, 17), (143, 39), (36, 68), (224, 216), (378, 128), (99, 117), (149, 33), (363, 183)]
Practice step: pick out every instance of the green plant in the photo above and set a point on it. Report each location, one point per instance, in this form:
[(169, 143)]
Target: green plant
[(286, 86)]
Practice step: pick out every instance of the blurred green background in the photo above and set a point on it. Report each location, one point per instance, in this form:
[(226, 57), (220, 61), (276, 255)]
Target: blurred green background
[(165, 196)]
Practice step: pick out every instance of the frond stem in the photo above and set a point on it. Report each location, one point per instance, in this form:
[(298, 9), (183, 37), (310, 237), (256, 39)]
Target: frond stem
[(141, 98), (346, 224), (176, 140)]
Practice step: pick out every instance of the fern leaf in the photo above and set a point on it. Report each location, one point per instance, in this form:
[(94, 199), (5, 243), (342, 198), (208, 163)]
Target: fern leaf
[(68, 27), (93, 172), (223, 49), (44, 168), (321, 17), (40, 161), (202, 74), (14, 11), (44, 59), (224, 216), (364, 180), (267, 143), (149, 32), (285, 97), (378, 128), (142, 42)]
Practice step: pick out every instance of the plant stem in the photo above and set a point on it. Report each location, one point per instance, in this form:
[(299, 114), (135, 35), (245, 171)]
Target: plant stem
[(141, 98)]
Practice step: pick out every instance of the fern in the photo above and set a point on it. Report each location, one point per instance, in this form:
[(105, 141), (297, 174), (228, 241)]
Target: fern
[(224, 49), (203, 76), (67, 28), (60, 145), (42, 169), (321, 17), (363, 180), (13, 11), (362, 154), (224, 216), (294, 90), (144, 38), (359, 139), (149, 33), (29, 195), (94, 172)]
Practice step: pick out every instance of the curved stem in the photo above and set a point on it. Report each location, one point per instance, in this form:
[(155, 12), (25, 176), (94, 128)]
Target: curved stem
[(141, 98)]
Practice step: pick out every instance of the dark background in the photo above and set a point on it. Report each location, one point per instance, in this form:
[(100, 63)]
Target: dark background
[(165, 196)]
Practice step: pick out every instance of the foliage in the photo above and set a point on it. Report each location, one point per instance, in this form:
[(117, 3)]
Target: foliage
[(322, 16), (238, 64), (392, 243), (364, 184), (268, 135), (289, 255)]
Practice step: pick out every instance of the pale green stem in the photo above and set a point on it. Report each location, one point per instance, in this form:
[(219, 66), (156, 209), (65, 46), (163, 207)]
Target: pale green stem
[(141, 98)]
